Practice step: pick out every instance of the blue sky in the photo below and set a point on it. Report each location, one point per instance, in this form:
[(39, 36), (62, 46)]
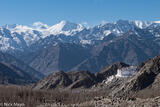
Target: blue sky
[(79, 11)]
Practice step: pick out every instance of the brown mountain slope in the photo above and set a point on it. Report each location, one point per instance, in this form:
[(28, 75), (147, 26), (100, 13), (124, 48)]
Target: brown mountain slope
[(76, 79)]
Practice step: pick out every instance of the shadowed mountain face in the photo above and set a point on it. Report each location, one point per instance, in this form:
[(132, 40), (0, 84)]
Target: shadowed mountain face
[(58, 57), (6, 58), (131, 48), (145, 82), (9, 74)]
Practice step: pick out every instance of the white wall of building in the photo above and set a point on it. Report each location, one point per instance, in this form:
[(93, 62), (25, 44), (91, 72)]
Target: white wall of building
[(127, 71)]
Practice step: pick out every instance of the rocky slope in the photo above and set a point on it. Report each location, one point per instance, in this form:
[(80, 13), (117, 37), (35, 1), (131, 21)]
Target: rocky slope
[(68, 80)]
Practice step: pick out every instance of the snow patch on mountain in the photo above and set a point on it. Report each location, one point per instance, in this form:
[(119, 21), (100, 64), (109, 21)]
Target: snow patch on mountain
[(141, 24), (85, 42), (107, 32)]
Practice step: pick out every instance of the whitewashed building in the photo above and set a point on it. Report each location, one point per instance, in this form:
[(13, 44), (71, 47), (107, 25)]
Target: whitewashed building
[(127, 71)]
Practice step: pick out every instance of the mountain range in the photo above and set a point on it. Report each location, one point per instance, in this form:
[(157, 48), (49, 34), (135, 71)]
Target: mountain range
[(18, 37), (69, 46)]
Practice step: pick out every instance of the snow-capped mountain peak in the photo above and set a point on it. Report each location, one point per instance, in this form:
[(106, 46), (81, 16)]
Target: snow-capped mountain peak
[(21, 36), (17, 28), (65, 27), (40, 25)]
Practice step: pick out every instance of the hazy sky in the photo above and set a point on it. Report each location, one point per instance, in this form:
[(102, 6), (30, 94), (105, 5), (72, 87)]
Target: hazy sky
[(79, 11)]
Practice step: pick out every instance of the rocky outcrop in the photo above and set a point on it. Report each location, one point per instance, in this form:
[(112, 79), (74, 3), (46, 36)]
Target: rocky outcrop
[(82, 79)]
